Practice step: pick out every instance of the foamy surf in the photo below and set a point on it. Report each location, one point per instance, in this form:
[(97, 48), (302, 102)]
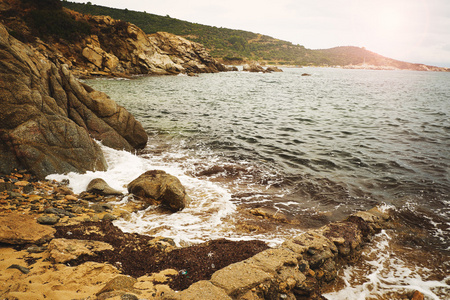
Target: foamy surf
[(382, 275), (210, 215)]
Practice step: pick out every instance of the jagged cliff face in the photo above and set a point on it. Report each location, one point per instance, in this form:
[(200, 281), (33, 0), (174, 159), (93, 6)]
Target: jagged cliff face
[(48, 119), (121, 47), (112, 47)]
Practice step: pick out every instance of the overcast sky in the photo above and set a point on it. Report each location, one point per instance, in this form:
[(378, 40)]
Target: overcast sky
[(416, 31)]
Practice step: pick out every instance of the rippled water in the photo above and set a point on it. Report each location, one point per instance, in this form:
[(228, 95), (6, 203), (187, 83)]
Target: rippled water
[(313, 148)]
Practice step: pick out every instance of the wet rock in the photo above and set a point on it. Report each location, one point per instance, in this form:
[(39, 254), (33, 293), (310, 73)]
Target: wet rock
[(22, 269), (23, 229), (203, 290), (306, 74), (101, 207), (269, 213), (417, 296), (346, 236), (48, 220), (109, 217), (99, 186), (157, 187), (63, 250), (59, 212)]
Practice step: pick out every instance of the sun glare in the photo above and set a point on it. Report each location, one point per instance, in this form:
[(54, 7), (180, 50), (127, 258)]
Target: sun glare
[(389, 27), (390, 21)]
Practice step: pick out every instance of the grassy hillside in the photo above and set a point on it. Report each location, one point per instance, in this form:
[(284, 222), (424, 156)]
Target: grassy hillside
[(221, 42), (240, 45)]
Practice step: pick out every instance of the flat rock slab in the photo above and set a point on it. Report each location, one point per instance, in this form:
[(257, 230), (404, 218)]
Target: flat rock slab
[(203, 290), (19, 229), (63, 250)]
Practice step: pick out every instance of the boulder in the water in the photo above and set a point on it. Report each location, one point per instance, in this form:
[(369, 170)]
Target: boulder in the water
[(159, 188)]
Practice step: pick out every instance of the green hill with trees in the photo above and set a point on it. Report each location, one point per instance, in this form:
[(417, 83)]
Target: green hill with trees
[(228, 44), (239, 46)]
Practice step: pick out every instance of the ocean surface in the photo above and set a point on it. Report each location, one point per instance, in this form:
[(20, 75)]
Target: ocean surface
[(308, 150)]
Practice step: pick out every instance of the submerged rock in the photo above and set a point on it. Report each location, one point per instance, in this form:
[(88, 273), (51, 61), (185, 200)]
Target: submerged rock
[(159, 188)]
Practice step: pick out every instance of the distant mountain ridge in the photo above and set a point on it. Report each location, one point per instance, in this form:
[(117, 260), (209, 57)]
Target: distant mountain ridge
[(239, 46)]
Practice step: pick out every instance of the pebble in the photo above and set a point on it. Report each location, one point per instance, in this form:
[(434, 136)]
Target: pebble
[(36, 249), (109, 217), (48, 220)]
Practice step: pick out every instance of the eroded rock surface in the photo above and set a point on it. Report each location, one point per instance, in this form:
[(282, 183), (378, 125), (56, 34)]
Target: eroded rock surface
[(49, 118), (20, 229), (159, 188)]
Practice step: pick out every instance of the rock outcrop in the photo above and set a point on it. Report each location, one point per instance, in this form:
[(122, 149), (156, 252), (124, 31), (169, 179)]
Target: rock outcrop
[(100, 45), (300, 268), (192, 56), (18, 229), (257, 68), (49, 118), (156, 187)]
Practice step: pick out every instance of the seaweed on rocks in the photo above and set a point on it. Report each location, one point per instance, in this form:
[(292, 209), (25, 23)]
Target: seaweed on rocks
[(136, 255)]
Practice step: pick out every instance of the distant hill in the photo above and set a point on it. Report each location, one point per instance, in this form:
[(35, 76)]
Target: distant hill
[(239, 45)]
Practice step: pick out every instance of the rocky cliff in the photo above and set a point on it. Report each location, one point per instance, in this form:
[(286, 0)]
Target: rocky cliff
[(100, 45), (49, 119)]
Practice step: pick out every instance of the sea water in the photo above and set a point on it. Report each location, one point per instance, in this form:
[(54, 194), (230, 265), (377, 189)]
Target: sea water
[(311, 148)]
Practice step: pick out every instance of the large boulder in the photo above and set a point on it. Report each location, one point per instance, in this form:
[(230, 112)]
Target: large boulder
[(48, 118), (159, 188)]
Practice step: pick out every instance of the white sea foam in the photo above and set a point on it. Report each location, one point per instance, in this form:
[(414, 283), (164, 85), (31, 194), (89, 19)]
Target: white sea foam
[(202, 220), (383, 273)]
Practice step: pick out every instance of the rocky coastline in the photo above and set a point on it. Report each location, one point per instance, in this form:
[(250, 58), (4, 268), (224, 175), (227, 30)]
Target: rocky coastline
[(56, 244)]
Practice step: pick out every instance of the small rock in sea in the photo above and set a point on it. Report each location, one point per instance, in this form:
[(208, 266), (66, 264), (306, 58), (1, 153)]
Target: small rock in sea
[(306, 74), (48, 220), (20, 268)]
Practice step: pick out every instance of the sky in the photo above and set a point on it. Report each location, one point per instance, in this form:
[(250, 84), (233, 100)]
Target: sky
[(416, 31)]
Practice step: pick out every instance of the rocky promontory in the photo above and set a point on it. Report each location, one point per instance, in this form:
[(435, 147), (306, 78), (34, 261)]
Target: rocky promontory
[(100, 45), (49, 119)]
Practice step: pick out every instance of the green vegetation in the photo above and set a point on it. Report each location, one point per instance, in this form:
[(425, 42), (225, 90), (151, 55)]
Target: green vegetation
[(56, 23), (239, 45)]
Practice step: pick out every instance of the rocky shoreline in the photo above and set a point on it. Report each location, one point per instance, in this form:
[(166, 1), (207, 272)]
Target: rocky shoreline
[(56, 244)]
